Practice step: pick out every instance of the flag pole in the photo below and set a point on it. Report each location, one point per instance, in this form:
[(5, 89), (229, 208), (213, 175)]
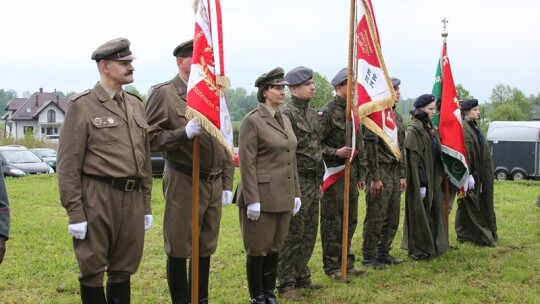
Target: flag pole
[(348, 128), (444, 34), (195, 221)]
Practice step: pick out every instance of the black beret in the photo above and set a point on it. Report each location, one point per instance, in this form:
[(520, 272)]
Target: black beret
[(184, 49), (395, 82), (274, 77), (298, 75), (116, 49), (340, 77), (424, 99), (468, 104)]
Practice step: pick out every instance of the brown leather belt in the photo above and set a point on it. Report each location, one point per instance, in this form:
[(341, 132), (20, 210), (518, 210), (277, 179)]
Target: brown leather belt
[(203, 175), (122, 183)]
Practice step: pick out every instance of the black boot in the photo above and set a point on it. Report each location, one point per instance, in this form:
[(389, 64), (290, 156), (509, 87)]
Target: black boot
[(204, 275), (92, 295), (270, 264), (119, 293), (254, 272), (177, 280)]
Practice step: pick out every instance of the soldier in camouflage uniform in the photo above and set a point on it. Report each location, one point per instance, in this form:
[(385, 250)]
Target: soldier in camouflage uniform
[(386, 181), (335, 151), (293, 271)]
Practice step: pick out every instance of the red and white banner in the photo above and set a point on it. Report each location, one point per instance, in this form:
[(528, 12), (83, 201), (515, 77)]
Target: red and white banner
[(375, 94), (207, 80)]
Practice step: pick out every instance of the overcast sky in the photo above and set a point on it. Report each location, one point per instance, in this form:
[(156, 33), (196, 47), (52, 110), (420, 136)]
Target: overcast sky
[(48, 43)]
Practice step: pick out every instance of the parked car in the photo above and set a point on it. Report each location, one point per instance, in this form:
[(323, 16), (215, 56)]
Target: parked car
[(47, 155), (236, 159), (53, 138), (158, 164), (19, 161)]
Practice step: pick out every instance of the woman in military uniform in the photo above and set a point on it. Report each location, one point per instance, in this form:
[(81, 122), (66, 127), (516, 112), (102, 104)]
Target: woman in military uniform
[(424, 234), (269, 192)]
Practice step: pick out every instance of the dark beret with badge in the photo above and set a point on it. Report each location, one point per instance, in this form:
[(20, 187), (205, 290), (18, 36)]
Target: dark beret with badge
[(340, 77), (116, 49), (395, 82), (298, 75), (184, 49), (424, 100), (468, 104)]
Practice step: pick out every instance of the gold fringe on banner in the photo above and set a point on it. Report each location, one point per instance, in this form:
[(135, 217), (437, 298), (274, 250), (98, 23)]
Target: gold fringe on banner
[(223, 81), (210, 128), (370, 124), (195, 6)]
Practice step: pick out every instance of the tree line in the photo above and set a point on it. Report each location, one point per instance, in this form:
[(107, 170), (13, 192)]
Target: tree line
[(506, 102)]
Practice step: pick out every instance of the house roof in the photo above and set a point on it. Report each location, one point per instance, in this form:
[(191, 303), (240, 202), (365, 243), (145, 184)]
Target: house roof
[(15, 104), (32, 106)]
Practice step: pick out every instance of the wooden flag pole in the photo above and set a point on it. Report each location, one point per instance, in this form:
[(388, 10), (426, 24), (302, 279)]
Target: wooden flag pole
[(195, 221), (348, 128)]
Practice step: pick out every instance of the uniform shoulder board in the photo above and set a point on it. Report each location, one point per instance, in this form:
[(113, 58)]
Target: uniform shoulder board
[(78, 95), (160, 84), (251, 112), (135, 96)]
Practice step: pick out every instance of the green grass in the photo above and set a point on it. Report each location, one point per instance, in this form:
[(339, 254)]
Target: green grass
[(40, 266)]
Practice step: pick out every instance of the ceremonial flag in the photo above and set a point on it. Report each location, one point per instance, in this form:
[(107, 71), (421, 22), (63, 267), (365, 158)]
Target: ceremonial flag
[(207, 80), (375, 94), (450, 129), (437, 92)]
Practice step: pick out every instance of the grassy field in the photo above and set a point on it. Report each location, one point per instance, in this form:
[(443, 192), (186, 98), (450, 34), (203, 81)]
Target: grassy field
[(40, 267)]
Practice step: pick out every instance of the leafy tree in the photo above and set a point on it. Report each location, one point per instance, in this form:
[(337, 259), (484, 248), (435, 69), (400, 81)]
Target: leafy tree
[(509, 104), (324, 91), (133, 90), (462, 93), (239, 102), (5, 97)]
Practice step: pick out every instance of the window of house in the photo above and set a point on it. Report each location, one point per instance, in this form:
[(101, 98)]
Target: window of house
[(51, 116)]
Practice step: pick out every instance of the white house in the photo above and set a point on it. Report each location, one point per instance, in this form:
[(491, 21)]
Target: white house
[(41, 114)]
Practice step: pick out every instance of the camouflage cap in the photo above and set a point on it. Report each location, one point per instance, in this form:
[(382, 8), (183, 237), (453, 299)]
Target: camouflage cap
[(468, 104), (395, 82), (274, 77), (116, 49), (340, 77), (184, 49), (298, 75), (423, 100)]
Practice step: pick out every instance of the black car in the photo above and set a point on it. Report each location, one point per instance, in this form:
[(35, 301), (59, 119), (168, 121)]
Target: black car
[(47, 155), (19, 161)]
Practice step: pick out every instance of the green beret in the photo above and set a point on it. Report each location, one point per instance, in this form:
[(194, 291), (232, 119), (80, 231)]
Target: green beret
[(274, 77), (184, 49), (116, 49)]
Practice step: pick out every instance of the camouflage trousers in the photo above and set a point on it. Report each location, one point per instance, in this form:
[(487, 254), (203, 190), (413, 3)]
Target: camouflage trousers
[(382, 213), (332, 225), (298, 248)]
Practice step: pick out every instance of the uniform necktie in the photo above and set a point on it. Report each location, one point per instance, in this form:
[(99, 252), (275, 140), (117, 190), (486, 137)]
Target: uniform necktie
[(120, 102), (278, 118)]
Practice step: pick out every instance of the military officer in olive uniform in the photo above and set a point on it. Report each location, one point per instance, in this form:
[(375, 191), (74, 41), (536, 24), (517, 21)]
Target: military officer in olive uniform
[(335, 151), (293, 270), (104, 177), (268, 193), (172, 133), (386, 181)]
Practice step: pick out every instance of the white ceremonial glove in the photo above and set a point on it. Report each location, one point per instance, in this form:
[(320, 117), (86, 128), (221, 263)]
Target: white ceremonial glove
[(148, 220), (470, 182), (193, 128), (422, 192), (226, 198), (254, 211), (78, 230), (297, 205)]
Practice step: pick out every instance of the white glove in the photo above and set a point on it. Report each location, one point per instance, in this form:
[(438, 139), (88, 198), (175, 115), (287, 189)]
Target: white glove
[(422, 192), (78, 230), (254, 211), (297, 205), (470, 182), (148, 220), (193, 128), (226, 198)]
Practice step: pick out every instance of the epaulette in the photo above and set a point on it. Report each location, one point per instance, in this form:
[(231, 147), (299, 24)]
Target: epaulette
[(251, 112), (135, 96), (160, 84), (78, 95)]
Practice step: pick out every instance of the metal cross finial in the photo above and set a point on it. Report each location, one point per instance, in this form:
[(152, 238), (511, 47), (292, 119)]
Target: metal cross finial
[(444, 32), (444, 21)]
